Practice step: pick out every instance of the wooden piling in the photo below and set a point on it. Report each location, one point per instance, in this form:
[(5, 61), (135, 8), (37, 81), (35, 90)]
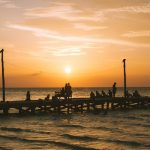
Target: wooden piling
[(124, 68), (3, 76)]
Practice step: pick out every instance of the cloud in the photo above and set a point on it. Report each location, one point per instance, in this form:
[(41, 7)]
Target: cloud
[(7, 4), (66, 11), (145, 8), (88, 27), (71, 51), (133, 9), (38, 31), (131, 34), (36, 73), (56, 36), (74, 12)]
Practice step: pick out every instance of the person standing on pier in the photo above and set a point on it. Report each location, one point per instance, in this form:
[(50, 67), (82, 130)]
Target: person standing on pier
[(28, 96), (68, 91), (114, 89)]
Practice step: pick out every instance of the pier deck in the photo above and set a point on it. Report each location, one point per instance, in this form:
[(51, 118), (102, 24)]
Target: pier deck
[(73, 105)]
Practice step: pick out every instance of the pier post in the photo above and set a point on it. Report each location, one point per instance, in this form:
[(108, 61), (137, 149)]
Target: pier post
[(68, 107), (112, 105), (5, 109), (32, 109), (107, 105), (88, 106), (3, 77), (124, 67), (102, 106), (82, 108), (20, 110), (58, 108)]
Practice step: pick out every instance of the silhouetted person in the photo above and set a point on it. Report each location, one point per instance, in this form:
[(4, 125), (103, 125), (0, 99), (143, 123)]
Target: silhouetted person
[(62, 92), (128, 95), (68, 91), (136, 94), (109, 93), (92, 95), (66, 86), (104, 94), (47, 97), (98, 94), (28, 96), (114, 89), (55, 99)]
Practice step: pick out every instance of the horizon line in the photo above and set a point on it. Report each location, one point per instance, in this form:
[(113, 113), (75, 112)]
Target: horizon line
[(83, 87)]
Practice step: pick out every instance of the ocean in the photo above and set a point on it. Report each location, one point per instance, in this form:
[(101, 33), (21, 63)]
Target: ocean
[(116, 130)]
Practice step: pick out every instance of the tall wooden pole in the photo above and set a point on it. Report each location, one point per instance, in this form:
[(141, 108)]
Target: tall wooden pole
[(3, 77), (125, 84)]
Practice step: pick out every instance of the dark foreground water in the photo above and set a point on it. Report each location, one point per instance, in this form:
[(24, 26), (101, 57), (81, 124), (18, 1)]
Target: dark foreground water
[(118, 130)]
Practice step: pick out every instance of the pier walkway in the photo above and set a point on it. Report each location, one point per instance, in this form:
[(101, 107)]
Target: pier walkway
[(73, 105)]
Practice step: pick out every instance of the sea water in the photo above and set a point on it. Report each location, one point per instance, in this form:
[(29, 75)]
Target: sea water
[(41, 93), (118, 130)]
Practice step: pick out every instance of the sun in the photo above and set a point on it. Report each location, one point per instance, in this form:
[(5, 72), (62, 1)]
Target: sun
[(68, 70)]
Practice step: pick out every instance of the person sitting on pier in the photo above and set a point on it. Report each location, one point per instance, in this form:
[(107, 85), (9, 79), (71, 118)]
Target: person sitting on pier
[(47, 97), (55, 99), (110, 93), (104, 94), (98, 95), (136, 94), (62, 92), (114, 89), (28, 96), (92, 95), (128, 95)]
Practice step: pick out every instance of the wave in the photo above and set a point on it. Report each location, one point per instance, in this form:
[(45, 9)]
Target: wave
[(4, 148), (134, 118), (145, 125), (84, 138), (141, 135), (128, 143), (141, 125), (23, 130), (71, 126), (109, 129), (116, 141), (145, 115), (57, 143)]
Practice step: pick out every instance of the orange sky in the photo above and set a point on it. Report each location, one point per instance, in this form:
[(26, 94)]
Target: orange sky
[(42, 37)]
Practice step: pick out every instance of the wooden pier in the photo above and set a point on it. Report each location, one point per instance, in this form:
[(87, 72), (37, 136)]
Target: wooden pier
[(73, 105)]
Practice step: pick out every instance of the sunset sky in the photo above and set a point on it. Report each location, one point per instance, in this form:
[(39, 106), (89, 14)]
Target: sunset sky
[(50, 42)]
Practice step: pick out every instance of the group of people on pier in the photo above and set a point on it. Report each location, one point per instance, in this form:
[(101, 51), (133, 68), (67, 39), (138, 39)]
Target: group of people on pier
[(135, 94), (112, 93), (65, 92)]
